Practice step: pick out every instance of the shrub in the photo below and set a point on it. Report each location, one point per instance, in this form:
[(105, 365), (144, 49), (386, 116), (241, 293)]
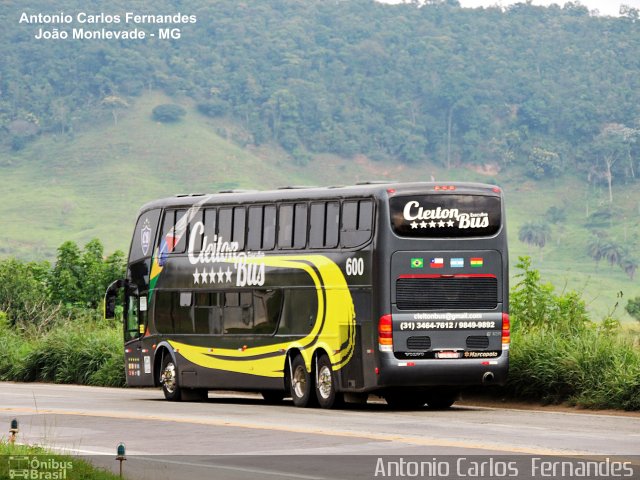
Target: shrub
[(168, 113)]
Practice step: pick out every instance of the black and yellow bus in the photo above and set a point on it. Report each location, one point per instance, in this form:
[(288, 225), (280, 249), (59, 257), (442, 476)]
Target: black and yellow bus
[(395, 289)]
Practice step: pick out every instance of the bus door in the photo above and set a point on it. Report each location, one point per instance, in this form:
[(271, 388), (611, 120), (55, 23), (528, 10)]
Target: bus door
[(137, 352)]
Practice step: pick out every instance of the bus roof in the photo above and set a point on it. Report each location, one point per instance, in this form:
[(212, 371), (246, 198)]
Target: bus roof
[(303, 193)]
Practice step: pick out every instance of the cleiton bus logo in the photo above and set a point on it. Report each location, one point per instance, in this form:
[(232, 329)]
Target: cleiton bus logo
[(442, 217), (145, 237)]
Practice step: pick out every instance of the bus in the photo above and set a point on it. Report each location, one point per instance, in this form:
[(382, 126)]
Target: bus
[(393, 289)]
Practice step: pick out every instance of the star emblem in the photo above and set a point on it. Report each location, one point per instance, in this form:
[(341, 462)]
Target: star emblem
[(220, 275), (414, 225), (423, 224), (228, 274), (450, 223), (196, 276), (441, 223), (432, 224)]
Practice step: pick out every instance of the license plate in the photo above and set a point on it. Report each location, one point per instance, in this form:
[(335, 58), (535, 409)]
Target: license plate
[(448, 354)]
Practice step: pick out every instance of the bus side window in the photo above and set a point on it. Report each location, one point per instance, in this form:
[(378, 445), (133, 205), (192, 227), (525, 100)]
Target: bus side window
[(239, 226), (267, 307), (299, 311), (324, 222), (285, 226), (162, 311), (171, 219), (181, 312), (207, 313), (210, 221), (254, 227), (194, 241), (292, 226), (357, 221), (233, 316)]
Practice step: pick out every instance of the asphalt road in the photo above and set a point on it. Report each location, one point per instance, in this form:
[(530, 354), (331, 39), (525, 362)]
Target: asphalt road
[(239, 436)]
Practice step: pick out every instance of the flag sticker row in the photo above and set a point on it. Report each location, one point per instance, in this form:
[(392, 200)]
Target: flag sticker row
[(439, 262)]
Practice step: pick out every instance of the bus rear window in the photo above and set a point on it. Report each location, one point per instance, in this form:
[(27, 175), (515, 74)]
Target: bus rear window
[(442, 216)]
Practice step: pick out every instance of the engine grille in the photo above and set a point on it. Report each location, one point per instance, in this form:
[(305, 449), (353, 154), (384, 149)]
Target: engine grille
[(452, 293), (419, 343), (477, 342)]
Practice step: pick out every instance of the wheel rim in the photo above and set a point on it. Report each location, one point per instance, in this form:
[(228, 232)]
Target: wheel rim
[(299, 381), (325, 384), (168, 378)]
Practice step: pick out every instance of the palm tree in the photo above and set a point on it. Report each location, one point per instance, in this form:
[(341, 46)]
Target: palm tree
[(535, 233), (594, 248), (612, 252), (629, 265)]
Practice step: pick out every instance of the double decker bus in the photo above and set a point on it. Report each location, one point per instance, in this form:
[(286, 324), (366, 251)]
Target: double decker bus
[(395, 289)]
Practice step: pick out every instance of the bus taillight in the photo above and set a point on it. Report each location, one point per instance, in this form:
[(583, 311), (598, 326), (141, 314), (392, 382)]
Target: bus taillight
[(506, 329), (385, 334)]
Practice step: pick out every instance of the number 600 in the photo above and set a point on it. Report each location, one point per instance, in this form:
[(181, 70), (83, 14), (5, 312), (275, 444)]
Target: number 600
[(355, 266)]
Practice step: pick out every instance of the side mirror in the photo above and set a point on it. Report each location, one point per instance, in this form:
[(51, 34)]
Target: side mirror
[(110, 305), (110, 299)]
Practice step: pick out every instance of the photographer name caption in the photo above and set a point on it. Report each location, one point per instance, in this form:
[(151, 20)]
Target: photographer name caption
[(107, 26), (490, 468)]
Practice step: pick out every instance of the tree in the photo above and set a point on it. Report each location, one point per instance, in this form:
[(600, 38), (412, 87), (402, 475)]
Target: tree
[(65, 278), (611, 252), (555, 215), (23, 293), (92, 278), (629, 265), (535, 233), (114, 103), (633, 308), (544, 163), (612, 145), (80, 277)]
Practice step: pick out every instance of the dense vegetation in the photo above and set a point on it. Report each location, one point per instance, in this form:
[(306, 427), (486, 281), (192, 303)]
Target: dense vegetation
[(559, 355), (546, 89), (51, 326)]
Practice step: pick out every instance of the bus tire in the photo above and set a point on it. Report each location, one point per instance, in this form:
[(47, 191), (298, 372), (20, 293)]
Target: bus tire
[(194, 394), (169, 379), (326, 384), (301, 383), (405, 400), (441, 400)]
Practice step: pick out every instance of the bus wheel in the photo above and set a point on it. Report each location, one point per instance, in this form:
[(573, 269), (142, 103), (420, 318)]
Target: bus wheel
[(326, 384), (441, 400), (404, 400), (301, 383), (169, 380)]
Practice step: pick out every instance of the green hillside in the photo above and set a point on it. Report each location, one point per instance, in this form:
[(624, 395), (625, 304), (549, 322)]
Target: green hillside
[(60, 188)]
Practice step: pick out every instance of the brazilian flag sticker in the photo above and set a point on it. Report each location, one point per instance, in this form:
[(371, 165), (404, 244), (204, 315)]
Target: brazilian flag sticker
[(417, 262)]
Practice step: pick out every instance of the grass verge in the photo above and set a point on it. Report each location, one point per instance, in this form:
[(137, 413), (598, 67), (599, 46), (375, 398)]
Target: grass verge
[(85, 351)]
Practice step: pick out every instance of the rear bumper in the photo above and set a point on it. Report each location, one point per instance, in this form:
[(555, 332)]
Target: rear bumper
[(454, 373)]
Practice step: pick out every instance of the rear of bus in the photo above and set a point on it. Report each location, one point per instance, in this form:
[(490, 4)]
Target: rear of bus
[(443, 289)]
